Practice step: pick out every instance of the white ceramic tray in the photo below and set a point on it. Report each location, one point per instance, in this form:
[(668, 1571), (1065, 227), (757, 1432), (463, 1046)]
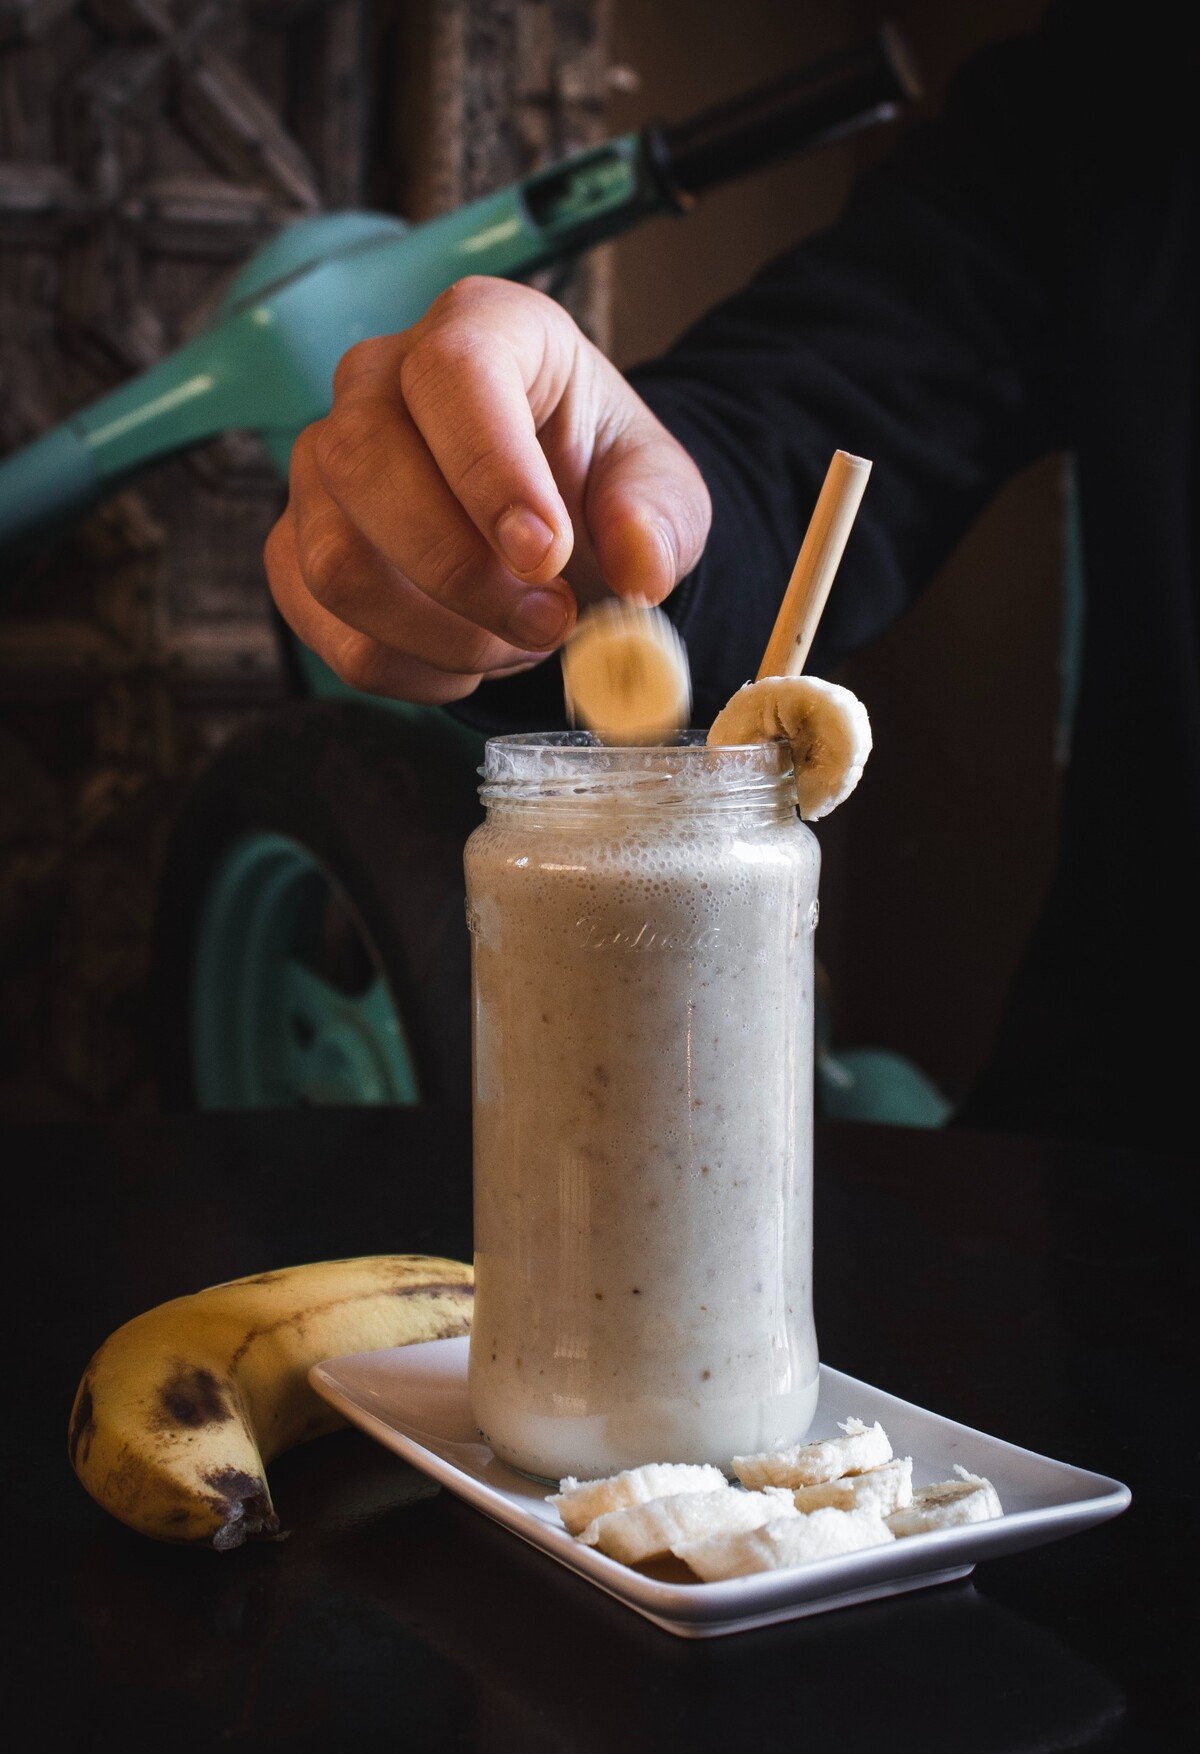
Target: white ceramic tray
[(413, 1399)]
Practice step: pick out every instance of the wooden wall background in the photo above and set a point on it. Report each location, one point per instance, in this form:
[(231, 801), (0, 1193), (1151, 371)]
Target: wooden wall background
[(146, 147)]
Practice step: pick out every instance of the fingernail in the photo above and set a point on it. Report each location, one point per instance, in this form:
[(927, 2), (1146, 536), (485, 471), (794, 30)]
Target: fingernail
[(539, 619), (524, 538)]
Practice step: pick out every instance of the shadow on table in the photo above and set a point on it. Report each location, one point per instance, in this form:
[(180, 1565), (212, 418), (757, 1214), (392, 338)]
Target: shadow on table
[(937, 1670), (412, 1617)]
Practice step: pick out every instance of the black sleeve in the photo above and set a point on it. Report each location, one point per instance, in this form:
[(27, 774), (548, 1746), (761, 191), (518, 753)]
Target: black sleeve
[(922, 331)]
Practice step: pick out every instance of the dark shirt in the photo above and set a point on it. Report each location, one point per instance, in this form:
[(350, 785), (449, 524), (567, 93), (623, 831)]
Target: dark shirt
[(1020, 278)]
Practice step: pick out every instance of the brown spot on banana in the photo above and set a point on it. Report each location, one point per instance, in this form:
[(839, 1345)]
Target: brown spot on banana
[(466, 1292), (192, 1397)]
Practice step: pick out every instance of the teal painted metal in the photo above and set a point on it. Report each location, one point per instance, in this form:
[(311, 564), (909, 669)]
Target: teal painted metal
[(47, 482), (300, 246), (872, 1084), (267, 362), (268, 1030)]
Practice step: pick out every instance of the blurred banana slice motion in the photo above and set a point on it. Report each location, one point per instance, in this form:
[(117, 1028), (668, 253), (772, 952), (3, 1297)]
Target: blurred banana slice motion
[(625, 674), (826, 725)]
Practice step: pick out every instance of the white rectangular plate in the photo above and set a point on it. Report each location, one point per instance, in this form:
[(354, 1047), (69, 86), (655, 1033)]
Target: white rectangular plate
[(413, 1399)]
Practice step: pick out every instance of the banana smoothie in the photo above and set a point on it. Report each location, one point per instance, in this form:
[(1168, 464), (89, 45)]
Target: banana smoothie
[(642, 925)]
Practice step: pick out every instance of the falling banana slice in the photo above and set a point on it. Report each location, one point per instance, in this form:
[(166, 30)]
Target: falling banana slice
[(826, 725), (625, 674)]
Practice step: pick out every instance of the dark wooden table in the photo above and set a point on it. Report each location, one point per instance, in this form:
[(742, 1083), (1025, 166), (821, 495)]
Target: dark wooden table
[(1043, 1293)]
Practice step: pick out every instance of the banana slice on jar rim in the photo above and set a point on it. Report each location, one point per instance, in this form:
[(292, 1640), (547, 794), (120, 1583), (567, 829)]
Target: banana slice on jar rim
[(625, 674), (826, 725)]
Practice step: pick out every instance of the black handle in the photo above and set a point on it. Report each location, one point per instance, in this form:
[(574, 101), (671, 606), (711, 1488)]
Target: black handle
[(803, 109)]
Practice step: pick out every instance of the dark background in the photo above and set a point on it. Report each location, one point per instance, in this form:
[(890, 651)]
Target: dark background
[(934, 874), (1056, 1313), (138, 166)]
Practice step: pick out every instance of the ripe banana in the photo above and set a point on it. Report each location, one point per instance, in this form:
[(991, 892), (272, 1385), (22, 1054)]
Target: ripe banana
[(826, 725), (625, 674), (180, 1409)]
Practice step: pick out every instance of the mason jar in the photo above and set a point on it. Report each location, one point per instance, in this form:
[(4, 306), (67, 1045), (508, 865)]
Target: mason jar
[(642, 948)]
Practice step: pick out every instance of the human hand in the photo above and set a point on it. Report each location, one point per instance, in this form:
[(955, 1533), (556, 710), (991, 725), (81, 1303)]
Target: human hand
[(463, 465)]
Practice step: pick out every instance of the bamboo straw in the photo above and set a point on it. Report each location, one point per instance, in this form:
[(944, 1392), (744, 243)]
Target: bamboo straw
[(816, 565)]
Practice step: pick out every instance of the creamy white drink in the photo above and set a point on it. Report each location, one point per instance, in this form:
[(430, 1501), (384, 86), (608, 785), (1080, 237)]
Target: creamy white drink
[(643, 963)]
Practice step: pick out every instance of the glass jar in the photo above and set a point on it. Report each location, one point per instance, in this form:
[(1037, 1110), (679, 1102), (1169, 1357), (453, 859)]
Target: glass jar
[(642, 924)]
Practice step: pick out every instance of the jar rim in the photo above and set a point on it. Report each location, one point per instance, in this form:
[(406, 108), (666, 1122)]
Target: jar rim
[(556, 763)]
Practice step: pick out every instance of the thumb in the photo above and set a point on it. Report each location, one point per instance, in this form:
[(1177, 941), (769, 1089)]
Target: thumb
[(646, 507)]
